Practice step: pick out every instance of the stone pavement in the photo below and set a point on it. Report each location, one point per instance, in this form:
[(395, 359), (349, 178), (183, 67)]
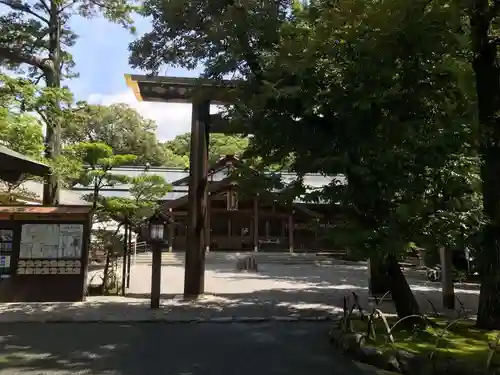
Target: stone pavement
[(164, 349)]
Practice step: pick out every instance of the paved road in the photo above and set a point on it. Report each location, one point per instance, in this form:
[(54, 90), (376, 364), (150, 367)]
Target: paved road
[(171, 349)]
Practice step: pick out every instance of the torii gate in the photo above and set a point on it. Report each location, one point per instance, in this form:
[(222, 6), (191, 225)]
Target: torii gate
[(201, 93)]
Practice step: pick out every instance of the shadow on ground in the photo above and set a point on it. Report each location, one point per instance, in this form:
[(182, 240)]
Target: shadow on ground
[(308, 287), (173, 349), (135, 307)]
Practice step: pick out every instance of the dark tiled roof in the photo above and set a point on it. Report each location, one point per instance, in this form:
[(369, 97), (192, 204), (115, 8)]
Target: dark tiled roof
[(171, 175), (65, 196)]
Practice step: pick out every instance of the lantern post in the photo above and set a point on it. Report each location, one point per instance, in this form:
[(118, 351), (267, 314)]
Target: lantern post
[(156, 234)]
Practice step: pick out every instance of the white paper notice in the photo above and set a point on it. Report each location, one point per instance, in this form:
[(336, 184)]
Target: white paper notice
[(71, 240), (39, 241)]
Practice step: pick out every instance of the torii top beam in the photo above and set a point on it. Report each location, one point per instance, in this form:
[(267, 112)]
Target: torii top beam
[(179, 89), (186, 90)]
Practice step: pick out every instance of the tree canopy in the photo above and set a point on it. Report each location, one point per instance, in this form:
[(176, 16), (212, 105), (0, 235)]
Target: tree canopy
[(177, 150), (380, 92), (120, 127)]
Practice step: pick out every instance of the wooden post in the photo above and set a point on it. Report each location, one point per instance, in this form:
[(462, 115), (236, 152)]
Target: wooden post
[(208, 224), (124, 259), (283, 231), (156, 276), (290, 232), (171, 232), (194, 277), (448, 292), (129, 255), (135, 250), (256, 223)]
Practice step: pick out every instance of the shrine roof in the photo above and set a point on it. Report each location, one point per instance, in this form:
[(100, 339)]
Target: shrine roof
[(179, 178)]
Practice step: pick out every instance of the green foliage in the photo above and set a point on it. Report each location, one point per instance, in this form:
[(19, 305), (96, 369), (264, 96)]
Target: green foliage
[(22, 133), (118, 126), (215, 33), (177, 150), (28, 32), (67, 168), (35, 38), (148, 188), (98, 161), (20, 95), (379, 92), (146, 191)]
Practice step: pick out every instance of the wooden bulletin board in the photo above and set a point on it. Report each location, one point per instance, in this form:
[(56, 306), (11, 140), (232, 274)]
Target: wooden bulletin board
[(43, 252)]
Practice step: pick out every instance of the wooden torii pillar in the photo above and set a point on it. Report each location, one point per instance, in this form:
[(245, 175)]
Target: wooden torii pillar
[(197, 219), (201, 93)]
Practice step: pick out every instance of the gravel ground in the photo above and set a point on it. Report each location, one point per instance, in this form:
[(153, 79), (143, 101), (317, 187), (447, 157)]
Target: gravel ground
[(298, 291), (297, 287)]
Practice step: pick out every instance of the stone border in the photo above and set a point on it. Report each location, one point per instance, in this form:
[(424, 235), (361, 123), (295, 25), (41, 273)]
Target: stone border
[(354, 345), (229, 319)]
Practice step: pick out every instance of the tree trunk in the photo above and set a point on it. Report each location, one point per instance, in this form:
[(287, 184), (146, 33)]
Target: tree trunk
[(402, 296), (105, 277), (379, 283), (53, 131), (447, 285), (487, 75)]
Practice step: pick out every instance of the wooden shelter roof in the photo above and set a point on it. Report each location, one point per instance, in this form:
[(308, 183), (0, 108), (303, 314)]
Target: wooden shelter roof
[(13, 165), (31, 209)]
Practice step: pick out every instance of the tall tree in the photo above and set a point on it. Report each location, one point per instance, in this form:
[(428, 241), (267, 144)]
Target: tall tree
[(34, 37), (118, 126), (484, 16)]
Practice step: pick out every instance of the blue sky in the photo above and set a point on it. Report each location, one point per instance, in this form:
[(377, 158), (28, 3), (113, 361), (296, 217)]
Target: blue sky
[(101, 57)]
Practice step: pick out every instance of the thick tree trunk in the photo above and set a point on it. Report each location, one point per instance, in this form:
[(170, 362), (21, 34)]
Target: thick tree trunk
[(53, 131), (402, 296), (487, 75), (379, 283)]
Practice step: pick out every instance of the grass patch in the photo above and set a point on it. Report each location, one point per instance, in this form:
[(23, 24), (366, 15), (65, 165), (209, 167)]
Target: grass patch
[(462, 340)]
